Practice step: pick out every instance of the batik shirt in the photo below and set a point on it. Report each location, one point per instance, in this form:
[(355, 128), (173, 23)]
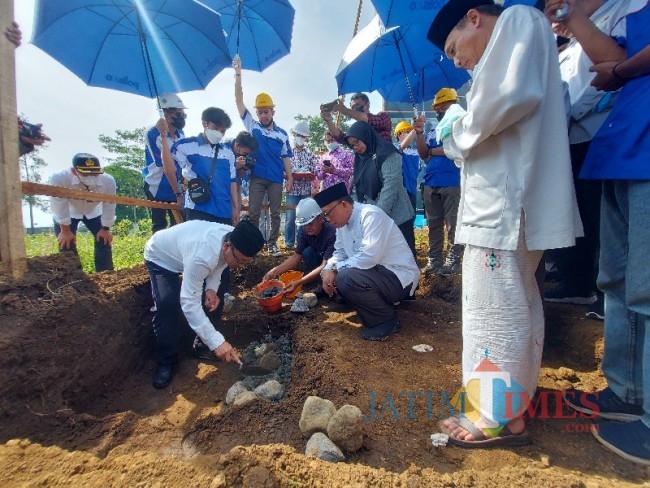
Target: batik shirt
[(303, 161), (343, 162)]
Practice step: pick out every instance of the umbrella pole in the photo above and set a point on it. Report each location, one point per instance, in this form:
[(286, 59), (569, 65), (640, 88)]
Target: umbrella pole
[(12, 234), (145, 51)]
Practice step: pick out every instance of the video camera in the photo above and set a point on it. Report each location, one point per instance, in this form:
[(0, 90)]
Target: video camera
[(327, 107)]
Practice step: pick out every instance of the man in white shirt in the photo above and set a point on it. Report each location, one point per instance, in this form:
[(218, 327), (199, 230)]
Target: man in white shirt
[(517, 200), (372, 267), (200, 251), (86, 174)]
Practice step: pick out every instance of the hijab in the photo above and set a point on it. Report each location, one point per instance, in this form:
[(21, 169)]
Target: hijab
[(367, 179)]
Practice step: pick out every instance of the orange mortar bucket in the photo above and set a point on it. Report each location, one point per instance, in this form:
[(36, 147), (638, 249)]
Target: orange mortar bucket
[(290, 277), (270, 300)]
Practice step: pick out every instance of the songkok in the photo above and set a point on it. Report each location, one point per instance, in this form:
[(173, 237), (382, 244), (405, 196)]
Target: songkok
[(448, 18), (331, 194), (247, 238)]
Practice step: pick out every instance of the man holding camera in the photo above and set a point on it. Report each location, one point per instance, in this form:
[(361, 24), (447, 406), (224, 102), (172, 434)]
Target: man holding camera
[(160, 172), (359, 110), (85, 174), (273, 159), (243, 146)]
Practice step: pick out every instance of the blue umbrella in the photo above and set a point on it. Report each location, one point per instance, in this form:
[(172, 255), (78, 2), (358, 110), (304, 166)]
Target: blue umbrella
[(378, 58), (395, 13), (423, 84), (258, 30), (144, 47)]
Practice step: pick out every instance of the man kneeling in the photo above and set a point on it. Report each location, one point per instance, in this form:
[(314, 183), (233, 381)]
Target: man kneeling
[(372, 266), (200, 250)]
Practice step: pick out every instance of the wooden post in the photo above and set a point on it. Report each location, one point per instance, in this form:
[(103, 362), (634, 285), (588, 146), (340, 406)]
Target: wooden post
[(12, 233)]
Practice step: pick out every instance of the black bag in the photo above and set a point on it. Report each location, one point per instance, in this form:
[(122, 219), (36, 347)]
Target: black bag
[(198, 188)]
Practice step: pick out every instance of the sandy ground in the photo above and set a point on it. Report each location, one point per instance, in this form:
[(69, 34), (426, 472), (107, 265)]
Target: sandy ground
[(77, 407)]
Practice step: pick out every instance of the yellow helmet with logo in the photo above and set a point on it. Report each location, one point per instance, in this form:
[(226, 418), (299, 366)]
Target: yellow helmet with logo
[(445, 95), (263, 100), (402, 126)]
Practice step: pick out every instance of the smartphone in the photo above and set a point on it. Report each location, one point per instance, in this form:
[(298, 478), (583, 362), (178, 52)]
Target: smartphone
[(561, 13), (327, 162)]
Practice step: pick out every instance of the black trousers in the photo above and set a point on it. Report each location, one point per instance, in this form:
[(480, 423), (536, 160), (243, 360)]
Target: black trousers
[(103, 251), (159, 215)]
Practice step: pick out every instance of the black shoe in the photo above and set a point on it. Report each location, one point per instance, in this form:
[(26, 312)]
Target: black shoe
[(339, 299), (163, 374), (452, 265), (433, 265), (380, 332), (597, 309), (563, 293)]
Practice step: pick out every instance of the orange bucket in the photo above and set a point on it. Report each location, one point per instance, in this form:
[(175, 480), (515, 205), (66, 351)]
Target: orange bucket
[(290, 277), (272, 303)]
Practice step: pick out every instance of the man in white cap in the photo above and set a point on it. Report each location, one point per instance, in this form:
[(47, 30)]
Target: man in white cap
[(517, 200), (303, 169), (315, 245), (85, 174), (161, 172)]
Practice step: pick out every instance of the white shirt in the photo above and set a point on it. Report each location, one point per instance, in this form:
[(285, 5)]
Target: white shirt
[(574, 67), (193, 248), (65, 209), (372, 238), (512, 142)]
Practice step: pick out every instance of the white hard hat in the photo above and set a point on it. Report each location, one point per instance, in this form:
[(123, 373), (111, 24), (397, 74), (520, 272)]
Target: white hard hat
[(306, 211), (302, 128), (170, 100)]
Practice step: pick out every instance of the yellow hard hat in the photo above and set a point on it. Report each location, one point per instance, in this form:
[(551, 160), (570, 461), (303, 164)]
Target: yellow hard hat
[(402, 126), (445, 95), (263, 100)]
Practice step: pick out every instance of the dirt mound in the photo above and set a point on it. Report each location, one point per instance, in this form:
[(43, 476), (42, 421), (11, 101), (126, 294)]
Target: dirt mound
[(77, 408)]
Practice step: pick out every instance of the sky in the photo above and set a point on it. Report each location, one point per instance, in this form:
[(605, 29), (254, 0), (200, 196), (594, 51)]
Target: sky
[(74, 115)]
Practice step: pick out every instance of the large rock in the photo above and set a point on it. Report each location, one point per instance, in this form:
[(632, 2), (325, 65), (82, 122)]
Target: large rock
[(345, 428), (310, 299), (271, 390), (234, 391), (271, 361), (316, 414), (321, 447), (264, 348), (244, 398)]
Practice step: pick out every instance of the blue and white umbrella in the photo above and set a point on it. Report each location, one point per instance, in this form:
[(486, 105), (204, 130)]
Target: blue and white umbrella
[(145, 47), (258, 30)]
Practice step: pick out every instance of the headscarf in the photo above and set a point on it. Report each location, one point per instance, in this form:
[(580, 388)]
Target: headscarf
[(367, 166)]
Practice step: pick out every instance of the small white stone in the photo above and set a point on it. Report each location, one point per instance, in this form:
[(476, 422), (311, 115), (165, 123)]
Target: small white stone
[(234, 391), (310, 299), (423, 348), (439, 439)]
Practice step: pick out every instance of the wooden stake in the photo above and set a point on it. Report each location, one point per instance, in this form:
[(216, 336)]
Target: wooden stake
[(12, 232)]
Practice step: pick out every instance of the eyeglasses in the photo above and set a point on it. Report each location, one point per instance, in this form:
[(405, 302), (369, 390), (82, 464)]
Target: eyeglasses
[(326, 215), (353, 144), (178, 114)]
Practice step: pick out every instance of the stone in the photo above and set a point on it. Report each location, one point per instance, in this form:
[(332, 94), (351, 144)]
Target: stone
[(320, 446), (345, 428), (219, 481), (271, 390), (228, 302), (545, 459), (310, 299), (299, 306), (234, 391), (244, 398), (270, 361), (316, 414), (264, 348)]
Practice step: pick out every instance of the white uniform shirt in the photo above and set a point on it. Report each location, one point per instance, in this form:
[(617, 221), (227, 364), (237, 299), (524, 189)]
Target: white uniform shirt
[(574, 66), (65, 209), (512, 142), (194, 249), (370, 238)]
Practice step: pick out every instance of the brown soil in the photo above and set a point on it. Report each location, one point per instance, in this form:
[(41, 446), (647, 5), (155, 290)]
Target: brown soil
[(77, 407)]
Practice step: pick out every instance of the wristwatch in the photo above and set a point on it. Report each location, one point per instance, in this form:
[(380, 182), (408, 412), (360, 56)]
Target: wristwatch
[(105, 228)]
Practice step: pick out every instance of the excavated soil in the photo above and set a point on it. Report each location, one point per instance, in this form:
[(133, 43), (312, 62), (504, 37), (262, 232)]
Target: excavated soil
[(77, 407)]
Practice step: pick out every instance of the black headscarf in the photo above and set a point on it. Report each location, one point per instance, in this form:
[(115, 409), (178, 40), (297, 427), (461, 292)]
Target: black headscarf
[(367, 166)]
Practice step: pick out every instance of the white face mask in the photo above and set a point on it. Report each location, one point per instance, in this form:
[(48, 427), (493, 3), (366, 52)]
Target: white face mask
[(300, 140), (332, 146), (213, 136)]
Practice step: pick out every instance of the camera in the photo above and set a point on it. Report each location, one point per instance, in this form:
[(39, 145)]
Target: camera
[(327, 107), (250, 162), (30, 131)]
